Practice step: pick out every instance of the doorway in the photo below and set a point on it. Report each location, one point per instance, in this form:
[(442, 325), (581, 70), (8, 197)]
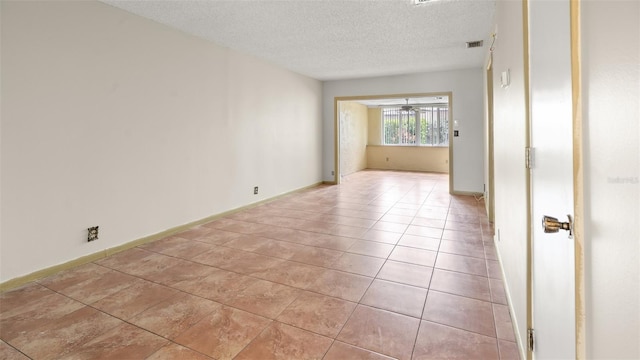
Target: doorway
[(413, 139)]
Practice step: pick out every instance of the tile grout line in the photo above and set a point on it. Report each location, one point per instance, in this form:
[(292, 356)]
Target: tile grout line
[(426, 298)]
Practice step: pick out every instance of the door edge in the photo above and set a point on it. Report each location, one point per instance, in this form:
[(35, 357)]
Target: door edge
[(578, 179)]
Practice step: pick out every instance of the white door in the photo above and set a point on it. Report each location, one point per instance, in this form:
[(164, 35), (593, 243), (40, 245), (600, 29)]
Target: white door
[(553, 284)]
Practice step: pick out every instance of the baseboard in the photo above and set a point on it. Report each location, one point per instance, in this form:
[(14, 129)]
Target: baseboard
[(39, 274), (514, 321), (467, 193), (22, 280), (406, 170)]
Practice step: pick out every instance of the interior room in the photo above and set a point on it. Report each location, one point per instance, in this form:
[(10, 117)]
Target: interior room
[(381, 134), (366, 179)]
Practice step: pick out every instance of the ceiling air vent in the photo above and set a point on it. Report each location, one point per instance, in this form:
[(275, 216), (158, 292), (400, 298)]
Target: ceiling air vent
[(474, 44)]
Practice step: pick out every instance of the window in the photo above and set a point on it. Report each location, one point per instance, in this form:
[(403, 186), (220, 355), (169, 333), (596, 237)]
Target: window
[(426, 126)]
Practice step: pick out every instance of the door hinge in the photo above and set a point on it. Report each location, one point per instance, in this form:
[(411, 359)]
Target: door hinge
[(530, 339), (529, 157)]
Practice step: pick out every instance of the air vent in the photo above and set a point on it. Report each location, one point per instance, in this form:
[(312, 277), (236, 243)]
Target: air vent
[(474, 44)]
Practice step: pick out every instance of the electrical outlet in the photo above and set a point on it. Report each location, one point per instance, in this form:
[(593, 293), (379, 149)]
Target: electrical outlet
[(333, 173), (255, 190), (387, 159), (92, 233)]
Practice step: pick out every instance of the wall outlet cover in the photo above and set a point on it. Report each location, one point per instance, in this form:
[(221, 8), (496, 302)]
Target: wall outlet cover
[(92, 233)]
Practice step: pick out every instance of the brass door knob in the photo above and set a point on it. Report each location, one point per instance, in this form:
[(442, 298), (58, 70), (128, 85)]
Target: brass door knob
[(552, 225)]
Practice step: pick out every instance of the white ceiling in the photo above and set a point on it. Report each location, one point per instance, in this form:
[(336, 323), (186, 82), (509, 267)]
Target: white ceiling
[(335, 39)]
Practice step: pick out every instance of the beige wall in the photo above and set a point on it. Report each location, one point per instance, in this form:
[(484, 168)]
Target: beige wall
[(110, 119), (353, 137), (375, 127), (412, 158)]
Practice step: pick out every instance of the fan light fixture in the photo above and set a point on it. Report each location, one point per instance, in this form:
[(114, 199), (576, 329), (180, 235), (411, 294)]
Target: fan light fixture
[(407, 107)]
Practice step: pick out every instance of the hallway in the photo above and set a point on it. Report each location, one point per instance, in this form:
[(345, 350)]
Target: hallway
[(385, 265)]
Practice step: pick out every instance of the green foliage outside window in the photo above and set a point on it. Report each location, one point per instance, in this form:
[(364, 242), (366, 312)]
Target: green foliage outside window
[(429, 126)]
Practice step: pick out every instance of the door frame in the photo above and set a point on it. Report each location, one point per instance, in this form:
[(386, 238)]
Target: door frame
[(336, 126), (578, 177), (490, 199), (527, 127)]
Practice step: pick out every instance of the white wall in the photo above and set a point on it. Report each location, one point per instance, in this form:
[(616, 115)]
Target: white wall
[(354, 127), (611, 93), (611, 88), (467, 99), (110, 119), (509, 171)]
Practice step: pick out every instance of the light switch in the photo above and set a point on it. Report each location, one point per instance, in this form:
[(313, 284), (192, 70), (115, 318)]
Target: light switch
[(505, 78)]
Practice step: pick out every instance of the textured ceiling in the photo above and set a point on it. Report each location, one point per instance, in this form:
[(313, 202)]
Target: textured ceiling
[(335, 39)]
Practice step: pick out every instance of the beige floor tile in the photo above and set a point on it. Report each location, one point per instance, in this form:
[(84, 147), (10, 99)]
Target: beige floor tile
[(292, 273), (122, 342), (437, 341), (420, 242), (342, 351), (9, 353), (358, 264), (396, 297), (380, 331), (223, 333), (264, 298), (382, 236), (413, 256), (406, 273), (174, 351), (284, 342), (508, 350), (175, 315), (342, 285), (58, 338), (35, 313), (134, 299), (472, 286), (317, 313), (463, 264), (371, 248), (460, 312), (504, 326)]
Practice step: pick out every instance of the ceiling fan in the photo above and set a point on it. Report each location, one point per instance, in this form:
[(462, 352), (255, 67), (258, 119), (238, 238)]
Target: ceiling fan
[(406, 107)]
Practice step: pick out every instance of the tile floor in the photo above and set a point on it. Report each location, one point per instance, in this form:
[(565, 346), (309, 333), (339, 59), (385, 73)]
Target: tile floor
[(386, 265)]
